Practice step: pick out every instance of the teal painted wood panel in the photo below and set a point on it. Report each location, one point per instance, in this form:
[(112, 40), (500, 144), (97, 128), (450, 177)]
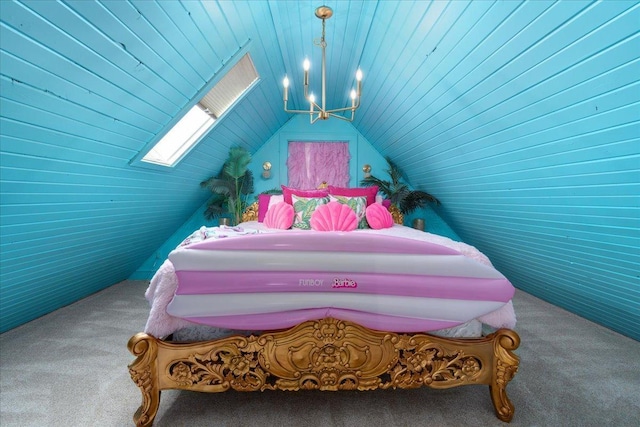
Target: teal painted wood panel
[(522, 117), (530, 137), (84, 87)]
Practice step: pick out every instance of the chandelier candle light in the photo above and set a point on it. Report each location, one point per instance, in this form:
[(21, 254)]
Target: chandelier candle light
[(316, 111)]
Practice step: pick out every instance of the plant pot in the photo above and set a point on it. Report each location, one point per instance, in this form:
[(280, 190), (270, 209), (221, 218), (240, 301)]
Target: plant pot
[(418, 224)]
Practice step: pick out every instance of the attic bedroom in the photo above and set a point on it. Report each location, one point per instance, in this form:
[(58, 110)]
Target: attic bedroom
[(354, 144)]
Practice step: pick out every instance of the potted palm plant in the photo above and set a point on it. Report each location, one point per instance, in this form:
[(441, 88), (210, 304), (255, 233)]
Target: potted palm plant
[(231, 187), (403, 198)]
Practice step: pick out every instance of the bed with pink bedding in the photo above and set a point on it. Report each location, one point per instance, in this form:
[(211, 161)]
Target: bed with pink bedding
[(376, 298)]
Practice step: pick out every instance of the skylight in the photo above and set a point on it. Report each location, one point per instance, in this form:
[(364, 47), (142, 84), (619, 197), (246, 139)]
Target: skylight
[(200, 118)]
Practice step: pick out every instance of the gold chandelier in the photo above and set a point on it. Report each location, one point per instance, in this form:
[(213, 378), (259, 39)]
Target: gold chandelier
[(320, 111)]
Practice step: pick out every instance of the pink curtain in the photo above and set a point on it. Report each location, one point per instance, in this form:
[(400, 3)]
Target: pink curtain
[(311, 163)]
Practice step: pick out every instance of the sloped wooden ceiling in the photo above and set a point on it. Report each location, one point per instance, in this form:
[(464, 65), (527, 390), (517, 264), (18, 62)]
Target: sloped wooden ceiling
[(521, 117)]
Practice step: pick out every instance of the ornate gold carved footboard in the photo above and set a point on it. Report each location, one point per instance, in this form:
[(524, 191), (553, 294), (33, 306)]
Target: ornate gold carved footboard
[(326, 354)]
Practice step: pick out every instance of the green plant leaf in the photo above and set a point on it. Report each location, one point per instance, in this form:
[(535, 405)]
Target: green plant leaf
[(216, 206), (236, 164), (273, 191), (246, 183), (383, 186), (231, 186), (218, 185), (398, 191)]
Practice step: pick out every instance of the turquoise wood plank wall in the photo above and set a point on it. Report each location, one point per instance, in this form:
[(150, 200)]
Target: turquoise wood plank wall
[(84, 87), (522, 117), (527, 129)]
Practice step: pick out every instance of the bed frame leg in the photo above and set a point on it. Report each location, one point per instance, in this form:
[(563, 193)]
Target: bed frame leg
[(506, 366), (144, 373)]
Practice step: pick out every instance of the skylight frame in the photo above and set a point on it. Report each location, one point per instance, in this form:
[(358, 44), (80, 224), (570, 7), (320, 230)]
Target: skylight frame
[(138, 160)]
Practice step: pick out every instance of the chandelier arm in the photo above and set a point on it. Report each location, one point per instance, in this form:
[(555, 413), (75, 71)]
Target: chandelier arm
[(300, 111), (286, 110), (338, 110), (346, 119)]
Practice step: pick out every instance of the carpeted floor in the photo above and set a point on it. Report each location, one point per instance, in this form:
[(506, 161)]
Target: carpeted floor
[(69, 368)]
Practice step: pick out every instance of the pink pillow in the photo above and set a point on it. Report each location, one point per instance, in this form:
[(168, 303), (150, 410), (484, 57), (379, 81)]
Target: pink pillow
[(263, 206), (264, 202), (378, 217), (334, 216), (287, 192), (279, 216), (368, 192)]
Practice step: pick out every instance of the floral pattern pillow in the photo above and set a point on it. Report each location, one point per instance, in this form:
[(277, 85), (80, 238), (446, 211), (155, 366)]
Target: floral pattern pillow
[(303, 208), (357, 204)]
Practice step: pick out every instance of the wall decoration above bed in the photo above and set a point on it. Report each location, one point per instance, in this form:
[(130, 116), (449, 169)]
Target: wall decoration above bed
[(311, 163)]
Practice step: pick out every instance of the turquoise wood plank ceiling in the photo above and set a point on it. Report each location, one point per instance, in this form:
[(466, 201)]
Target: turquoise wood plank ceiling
[(521, 117)]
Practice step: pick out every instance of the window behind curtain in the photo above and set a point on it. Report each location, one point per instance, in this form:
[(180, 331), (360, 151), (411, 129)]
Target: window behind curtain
[(311, 163)]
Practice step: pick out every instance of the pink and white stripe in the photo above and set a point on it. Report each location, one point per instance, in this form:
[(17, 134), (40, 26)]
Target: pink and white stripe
[(271, 281)]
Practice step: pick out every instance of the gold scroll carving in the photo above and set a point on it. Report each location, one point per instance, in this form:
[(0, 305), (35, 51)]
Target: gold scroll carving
[(327, 354)]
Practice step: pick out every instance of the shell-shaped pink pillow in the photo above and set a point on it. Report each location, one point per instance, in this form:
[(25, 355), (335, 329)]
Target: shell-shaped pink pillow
[(378, 216), (279, 216), (334, 216)]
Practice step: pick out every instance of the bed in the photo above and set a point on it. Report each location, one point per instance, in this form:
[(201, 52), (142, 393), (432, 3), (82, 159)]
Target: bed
[(350, 326)]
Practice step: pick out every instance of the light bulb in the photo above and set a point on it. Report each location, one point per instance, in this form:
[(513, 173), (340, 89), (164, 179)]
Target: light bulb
[(285, 82), (358, 75), (306, 64), (312, 98), (353, 94)]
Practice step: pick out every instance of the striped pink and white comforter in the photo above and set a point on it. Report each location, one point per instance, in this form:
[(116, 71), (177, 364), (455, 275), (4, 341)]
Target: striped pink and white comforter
[(396, 279)]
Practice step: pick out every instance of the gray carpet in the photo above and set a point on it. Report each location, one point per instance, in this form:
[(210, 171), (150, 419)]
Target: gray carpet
[(69, 368)]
